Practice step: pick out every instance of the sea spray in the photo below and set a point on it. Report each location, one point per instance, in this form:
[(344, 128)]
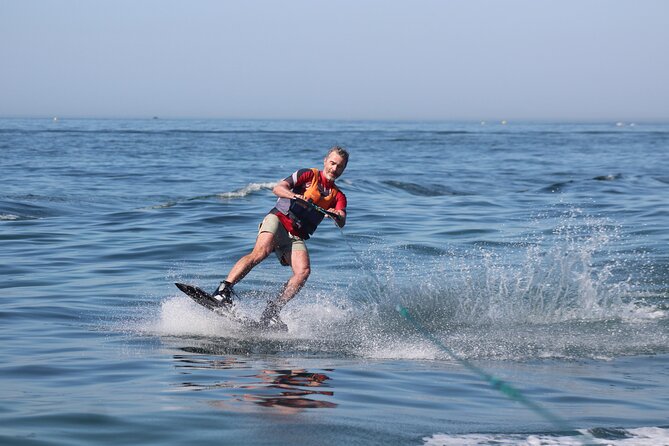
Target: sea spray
[(556, 294), (568, 275)]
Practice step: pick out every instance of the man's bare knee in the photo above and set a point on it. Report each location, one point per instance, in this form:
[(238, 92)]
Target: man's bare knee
[(258, 255), (263, 248), (302, 274)]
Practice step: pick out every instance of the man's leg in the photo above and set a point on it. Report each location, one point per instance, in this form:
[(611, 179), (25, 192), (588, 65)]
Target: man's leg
[(299, 262), (263, 247)]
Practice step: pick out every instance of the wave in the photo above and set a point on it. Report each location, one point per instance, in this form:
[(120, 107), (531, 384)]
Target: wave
[(11, 210), (247, 190), (608, 177), (426, 190), (641, 436), (562, 185), (557, 187), (238, 193)]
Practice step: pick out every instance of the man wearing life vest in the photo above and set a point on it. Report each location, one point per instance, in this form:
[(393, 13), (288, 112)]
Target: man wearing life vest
[(284, 230)]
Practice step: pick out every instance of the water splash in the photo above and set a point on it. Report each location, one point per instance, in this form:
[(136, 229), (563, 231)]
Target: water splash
[(570, 274), (562, 293)]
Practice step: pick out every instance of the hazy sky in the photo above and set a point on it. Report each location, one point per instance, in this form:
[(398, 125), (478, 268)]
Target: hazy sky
[(343, 59)]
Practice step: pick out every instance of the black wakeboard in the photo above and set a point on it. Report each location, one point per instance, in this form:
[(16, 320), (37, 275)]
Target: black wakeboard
[(199, 295), (205, 299)]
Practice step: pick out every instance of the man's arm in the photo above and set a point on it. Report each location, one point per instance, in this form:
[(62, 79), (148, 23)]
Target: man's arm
[(340, 209), (283, 190)]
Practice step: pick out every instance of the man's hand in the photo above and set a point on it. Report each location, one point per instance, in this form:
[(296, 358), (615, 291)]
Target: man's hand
[(339, 218)]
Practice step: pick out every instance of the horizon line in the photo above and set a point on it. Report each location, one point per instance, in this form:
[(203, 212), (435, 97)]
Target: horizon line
[(482, 121)]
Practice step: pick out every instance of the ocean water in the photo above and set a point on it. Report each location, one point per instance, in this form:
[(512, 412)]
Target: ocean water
[(535, 253)]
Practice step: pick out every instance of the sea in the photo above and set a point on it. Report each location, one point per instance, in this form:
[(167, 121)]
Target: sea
[(496, 283)]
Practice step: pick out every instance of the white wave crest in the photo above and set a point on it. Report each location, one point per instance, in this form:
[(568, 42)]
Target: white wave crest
[(247, 190), (643, 436)]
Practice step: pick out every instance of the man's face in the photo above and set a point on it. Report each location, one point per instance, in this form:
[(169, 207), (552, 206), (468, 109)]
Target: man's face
[(334, 166)]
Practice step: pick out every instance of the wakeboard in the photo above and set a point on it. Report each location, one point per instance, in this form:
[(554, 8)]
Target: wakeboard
[(202, 298)]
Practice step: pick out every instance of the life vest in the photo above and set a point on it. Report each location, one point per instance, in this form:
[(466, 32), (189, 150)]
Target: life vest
[(313, 193), (305, 217)]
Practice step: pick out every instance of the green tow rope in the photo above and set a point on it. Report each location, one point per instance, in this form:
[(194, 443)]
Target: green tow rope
[(496, 383)]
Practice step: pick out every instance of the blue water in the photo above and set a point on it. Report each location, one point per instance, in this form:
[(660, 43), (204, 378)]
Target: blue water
[(538, 253)]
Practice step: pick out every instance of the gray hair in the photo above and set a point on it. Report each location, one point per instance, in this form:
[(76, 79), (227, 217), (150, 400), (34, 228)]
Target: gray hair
[(339, 150)]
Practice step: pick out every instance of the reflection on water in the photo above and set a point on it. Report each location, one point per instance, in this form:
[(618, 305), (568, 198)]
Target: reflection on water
[(288, 390)]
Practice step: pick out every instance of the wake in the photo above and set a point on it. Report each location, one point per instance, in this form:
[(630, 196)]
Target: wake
[(564, 294), (245, 191)]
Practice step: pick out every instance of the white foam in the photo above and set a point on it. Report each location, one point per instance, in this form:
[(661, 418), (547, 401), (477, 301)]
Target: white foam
[(180, 316), (315, 315), (545, 301), (646, 313), (643, 436), (239, 193), (9, 217), (247, 190)]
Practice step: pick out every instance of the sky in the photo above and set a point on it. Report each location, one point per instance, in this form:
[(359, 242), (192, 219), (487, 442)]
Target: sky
[(562, 60)]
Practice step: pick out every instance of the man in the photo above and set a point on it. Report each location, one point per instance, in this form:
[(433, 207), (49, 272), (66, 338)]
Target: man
[(287, 226)]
